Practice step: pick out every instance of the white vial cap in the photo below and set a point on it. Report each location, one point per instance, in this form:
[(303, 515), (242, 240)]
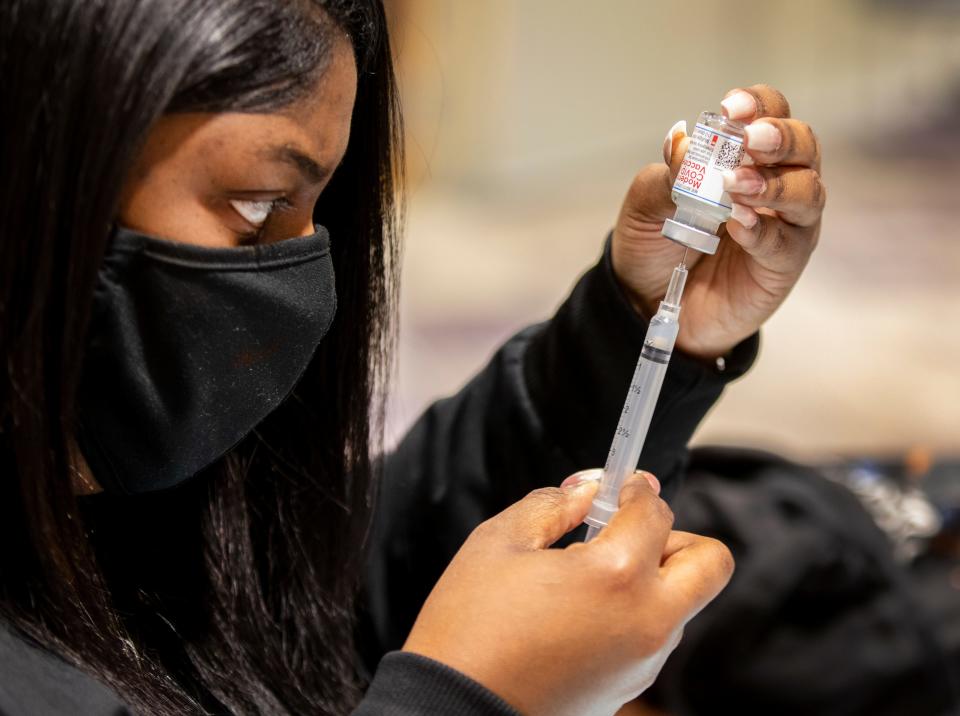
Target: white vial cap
[(690, 237)]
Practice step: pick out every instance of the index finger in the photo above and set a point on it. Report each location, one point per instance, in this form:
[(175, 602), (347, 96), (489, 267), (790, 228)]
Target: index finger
[(638, 531), (783, 141), (746, 104), (695, 570)]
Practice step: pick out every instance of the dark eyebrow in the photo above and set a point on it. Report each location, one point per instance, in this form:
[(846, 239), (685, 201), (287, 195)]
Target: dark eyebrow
[(310, 170)]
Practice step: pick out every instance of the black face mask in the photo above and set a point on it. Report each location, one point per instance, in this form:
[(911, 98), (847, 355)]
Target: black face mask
[(191, 347)]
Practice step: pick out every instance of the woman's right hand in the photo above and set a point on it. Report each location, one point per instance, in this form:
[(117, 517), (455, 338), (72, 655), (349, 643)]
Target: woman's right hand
[(573, 631)]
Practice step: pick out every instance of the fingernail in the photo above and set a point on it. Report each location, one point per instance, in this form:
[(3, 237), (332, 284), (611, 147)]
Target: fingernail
[(654, 482), (585, 486), (679, 127), (582, 477), (738, 105), (744, 215), (763, 137), (743, 180)]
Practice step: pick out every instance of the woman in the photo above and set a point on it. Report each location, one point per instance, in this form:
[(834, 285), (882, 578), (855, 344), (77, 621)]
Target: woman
[(190, 407)]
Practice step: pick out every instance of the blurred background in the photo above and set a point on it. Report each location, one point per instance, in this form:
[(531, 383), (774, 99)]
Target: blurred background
[(528, 118)]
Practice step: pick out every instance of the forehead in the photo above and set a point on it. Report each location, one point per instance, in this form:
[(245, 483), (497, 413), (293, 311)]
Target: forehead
[(317, 125)]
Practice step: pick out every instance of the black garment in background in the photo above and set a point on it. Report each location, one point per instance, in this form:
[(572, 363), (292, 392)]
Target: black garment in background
[(818, 618), (544, 407)]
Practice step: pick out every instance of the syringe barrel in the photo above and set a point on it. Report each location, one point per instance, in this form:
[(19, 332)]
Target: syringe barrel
[(637, 412)]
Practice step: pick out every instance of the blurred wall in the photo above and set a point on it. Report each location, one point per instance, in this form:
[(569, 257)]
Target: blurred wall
[(502, 91), (527, 119)]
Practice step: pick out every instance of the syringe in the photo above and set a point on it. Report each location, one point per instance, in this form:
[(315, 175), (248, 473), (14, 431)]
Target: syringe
[(641, 399)]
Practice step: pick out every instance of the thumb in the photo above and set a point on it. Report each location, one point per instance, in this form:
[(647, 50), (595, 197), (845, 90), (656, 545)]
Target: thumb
[(675, 147), (648, 199), (547, 514), (680, 147)]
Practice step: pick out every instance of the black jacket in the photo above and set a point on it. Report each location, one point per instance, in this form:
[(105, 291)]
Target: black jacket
[(544, 407)]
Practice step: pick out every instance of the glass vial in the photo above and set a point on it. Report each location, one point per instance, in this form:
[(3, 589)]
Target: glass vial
[(702, 205)]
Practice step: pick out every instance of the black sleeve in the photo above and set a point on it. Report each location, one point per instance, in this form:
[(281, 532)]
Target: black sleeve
[(413, 685), (36, 682), (544, 407)]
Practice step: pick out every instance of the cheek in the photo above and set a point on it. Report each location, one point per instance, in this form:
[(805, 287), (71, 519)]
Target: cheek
[(175, 211), (289, 224), (167, 194)]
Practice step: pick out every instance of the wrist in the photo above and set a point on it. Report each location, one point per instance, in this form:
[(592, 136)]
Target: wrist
[(707, 352), (726, 356)]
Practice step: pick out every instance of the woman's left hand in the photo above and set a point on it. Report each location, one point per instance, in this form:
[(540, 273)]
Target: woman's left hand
[(766, 244)]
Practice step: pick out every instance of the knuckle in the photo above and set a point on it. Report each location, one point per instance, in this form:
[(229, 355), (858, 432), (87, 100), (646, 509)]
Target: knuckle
[(620, 570), (664, 513), (483, 533), (721, 556), (777, 186), (762, 231), (634, 490), (819, 191), (758, 93), (785, 110), (779, 242), (549, 496), (485, 530), (638, 490), (651, 175), (545, 500), (780, 100), (771, 236)]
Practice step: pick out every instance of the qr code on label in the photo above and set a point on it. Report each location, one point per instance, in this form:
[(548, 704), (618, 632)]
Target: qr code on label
[(729, 155)]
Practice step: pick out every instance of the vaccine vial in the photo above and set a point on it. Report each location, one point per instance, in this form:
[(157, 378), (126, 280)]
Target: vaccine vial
[(716, 145)]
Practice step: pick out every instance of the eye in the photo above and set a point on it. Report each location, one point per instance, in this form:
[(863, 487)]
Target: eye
[(256, 212)]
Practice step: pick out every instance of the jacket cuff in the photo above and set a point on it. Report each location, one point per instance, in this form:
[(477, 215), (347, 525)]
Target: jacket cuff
[(579, 365), (408, 684)]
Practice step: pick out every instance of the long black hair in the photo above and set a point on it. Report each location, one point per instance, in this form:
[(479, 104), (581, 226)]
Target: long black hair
[(233, 592)]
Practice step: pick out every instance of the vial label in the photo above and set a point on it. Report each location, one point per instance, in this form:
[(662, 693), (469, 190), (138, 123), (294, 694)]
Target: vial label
[(710, 153)]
